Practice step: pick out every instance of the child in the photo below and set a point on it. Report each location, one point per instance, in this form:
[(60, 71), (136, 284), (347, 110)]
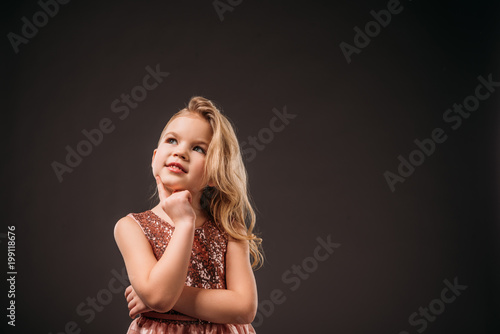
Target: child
[(188, 258)]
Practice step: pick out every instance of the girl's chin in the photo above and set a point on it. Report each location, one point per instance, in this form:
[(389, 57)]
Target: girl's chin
[(174, 187)]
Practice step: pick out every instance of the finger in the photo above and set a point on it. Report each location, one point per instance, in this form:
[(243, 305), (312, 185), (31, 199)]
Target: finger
[(134, 312), (127, 290), (130, 296), (189, 197), (185, 194), (161, 188)]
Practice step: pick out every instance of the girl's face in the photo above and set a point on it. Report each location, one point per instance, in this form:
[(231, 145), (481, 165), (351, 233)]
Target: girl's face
[(185, 142)]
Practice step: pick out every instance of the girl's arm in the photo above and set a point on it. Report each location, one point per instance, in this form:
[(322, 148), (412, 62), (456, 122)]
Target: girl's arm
[(151, 278), (237, 303), (216, 305), (159, 283)]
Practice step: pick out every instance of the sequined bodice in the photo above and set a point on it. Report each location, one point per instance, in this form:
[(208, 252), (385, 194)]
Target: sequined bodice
[(207, 264)]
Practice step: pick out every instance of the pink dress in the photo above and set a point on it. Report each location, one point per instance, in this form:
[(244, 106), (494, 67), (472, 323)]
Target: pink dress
[(206, 270)]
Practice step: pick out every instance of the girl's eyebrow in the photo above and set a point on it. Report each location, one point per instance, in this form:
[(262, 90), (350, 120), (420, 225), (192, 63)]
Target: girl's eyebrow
[(199, 141)]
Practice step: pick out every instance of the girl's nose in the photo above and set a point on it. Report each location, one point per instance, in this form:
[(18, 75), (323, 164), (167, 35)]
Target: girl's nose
[(180, 155), (180, 152)]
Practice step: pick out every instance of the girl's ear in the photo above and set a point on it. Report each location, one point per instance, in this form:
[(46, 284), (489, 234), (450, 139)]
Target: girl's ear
[(210, 183), (153, 158)]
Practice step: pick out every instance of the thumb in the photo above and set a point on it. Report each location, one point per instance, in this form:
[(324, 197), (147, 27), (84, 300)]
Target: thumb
[(188, 196)]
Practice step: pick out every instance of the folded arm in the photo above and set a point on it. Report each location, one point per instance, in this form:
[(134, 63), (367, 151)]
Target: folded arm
[(237, 303), (158, 283)]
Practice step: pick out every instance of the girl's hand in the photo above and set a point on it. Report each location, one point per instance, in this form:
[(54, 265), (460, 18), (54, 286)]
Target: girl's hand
[(135, 304), (178, 205)]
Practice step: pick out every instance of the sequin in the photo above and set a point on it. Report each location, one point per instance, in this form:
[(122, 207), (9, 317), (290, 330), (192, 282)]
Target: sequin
[(206, 270), (207, 264)]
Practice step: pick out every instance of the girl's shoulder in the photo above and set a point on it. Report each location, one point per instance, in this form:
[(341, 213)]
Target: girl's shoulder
[(126, 223), (147, 220), (142, 218), (127, 230), (132, 222), (138, 216)]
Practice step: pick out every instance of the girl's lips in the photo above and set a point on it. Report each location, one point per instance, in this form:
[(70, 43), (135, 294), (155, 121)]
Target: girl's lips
[(175, 169), (178, 165)]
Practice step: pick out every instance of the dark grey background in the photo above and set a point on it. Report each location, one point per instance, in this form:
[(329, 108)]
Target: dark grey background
[(322, 175)]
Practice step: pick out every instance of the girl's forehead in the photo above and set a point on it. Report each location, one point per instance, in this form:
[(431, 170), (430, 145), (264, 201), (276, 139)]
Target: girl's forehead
[(190, 125)]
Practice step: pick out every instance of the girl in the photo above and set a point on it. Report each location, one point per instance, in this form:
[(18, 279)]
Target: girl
[(188, 258)]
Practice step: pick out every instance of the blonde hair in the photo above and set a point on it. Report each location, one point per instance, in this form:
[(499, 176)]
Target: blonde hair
[(228, 201)]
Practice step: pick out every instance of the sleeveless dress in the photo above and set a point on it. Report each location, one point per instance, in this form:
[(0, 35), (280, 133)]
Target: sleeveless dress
[(206, 270)]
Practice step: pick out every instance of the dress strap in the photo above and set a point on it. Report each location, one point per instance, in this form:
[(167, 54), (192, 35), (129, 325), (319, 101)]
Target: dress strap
[(131, 215)]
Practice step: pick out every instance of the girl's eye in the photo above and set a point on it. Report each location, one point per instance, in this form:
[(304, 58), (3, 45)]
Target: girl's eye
[(197, 148), (202, 150)]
